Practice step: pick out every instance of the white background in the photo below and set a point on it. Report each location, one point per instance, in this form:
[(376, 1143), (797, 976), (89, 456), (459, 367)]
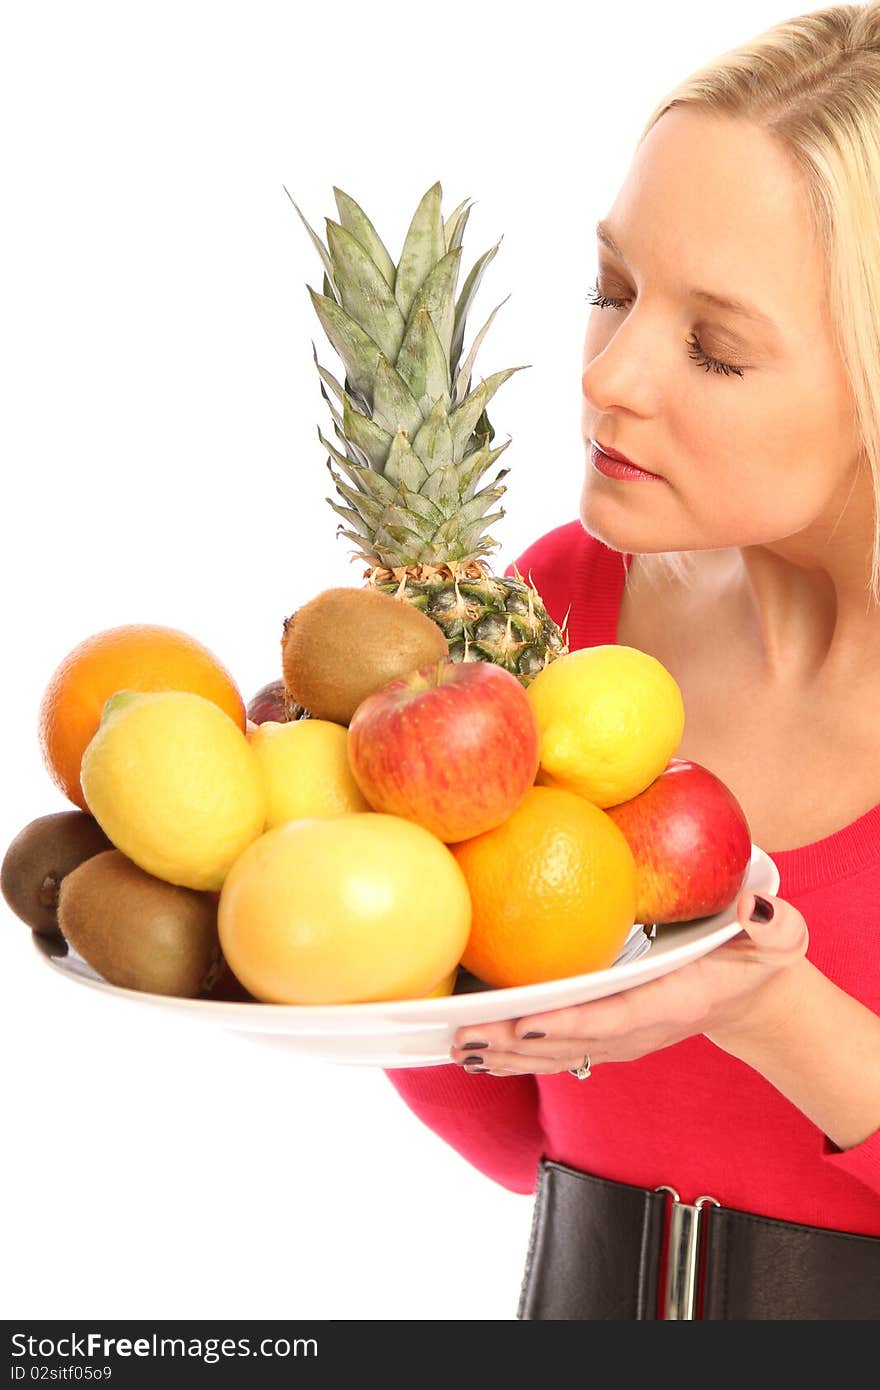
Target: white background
[(161, 464)]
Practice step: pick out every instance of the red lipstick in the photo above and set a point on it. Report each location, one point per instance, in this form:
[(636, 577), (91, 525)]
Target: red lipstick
[(613, 464)]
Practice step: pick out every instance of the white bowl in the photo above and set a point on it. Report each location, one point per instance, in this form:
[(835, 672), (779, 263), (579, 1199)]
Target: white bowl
[(419, 1032)]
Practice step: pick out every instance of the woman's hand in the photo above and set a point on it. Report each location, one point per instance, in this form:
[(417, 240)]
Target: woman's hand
[(744, 987)]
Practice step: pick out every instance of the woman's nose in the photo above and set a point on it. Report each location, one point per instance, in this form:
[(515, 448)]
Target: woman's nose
[(617, 374)]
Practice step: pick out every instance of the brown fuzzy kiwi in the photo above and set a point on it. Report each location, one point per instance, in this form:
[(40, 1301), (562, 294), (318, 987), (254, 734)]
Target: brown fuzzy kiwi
[(345, 643), (40, 856), (138, 931)]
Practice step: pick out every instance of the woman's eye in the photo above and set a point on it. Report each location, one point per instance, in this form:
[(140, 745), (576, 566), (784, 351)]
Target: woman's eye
[(604, 301), (695, 351), (711, 364)]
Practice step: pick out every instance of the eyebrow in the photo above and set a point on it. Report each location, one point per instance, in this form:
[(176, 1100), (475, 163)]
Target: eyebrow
[(719, 301)]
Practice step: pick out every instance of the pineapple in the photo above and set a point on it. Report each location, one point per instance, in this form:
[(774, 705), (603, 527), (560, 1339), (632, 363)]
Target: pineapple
[(415, 439)]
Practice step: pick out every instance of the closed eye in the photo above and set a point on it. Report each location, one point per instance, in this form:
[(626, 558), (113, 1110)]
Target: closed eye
[(695, 351)]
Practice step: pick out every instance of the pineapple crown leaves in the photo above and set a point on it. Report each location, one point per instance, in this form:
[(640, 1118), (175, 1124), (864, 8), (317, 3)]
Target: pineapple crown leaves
[(406, 413), (443, 510)]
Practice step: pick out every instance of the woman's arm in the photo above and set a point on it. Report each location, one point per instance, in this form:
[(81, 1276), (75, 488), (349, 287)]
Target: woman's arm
[(820, 1048), (492, 1123), (757, 997)]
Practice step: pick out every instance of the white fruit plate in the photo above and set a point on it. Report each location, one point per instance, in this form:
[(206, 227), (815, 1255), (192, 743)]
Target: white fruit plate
[(419, 1032)]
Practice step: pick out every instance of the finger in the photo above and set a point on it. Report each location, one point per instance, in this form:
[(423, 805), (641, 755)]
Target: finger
[(676, 1002), (680, 996), (524, 1052), (773, 924), (480, 1036), (517, 1064), (599, 1019)]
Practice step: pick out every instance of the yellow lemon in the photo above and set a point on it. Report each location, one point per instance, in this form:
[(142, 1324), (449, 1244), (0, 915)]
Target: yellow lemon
[(173, 782), (610, 718), (305, 769), (344, 910), (446, 985)]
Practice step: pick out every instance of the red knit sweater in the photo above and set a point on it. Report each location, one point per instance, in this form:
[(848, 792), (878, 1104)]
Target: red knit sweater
[(689, 1115)]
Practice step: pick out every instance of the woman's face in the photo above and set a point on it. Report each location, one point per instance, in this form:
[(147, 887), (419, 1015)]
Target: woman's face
[(763, 449)]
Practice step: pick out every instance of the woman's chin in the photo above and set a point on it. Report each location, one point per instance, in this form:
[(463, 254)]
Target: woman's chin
[(614, 530), (616, 525)]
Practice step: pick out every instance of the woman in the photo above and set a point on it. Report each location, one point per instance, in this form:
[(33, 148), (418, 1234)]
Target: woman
[(750, 566)]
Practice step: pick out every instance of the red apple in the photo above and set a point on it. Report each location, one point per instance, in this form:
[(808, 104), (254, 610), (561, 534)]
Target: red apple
[(691, 843), (269, 703), (453, 746)]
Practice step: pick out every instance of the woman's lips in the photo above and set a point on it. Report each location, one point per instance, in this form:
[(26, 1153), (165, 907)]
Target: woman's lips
[(614, 465)]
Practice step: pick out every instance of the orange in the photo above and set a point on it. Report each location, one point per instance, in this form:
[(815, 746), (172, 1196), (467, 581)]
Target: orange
[(137, 656), (553, 890)]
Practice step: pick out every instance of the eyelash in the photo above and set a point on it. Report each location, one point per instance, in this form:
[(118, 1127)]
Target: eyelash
[(695, 351)]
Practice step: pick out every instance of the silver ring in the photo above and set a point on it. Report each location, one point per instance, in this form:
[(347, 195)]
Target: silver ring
[(583, 1071)]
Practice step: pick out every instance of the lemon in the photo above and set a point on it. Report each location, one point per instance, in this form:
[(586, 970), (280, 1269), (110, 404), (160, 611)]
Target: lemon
[(610, 719), (173, 782), (446, 985), (344, 910), (305, 770)]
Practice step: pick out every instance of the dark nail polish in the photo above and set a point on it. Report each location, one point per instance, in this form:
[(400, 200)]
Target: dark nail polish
[(763, 910), (474, 1044), (534, 1035), (472, 1062)]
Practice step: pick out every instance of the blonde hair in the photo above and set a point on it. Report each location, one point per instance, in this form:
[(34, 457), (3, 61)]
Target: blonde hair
[(813, 82)]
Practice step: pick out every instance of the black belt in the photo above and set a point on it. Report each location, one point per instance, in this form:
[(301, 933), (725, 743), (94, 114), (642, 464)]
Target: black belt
[(607, 1250)]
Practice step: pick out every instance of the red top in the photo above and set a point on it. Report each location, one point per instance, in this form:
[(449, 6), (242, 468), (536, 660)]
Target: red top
[(689, 1115)]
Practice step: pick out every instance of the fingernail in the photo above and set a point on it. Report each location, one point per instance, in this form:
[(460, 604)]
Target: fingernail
[(534, 1035), (472, 1062), (762, 911), (474, 1044)]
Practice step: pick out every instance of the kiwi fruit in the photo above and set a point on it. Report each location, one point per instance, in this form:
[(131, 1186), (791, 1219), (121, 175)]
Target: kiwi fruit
[(40, 857), (345, 643), (138, 931)]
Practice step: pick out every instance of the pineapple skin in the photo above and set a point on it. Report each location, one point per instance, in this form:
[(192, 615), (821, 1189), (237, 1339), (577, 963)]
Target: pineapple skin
[(483, 616)]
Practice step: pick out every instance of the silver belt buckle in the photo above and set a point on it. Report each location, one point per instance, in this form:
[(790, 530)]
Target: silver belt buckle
[(683, 1256)]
